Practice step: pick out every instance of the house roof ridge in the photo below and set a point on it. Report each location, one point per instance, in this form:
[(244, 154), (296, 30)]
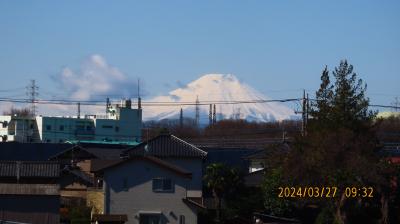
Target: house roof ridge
[(155, 160), (183, 141)]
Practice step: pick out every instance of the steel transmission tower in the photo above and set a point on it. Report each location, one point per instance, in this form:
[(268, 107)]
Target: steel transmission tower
[(32, 92), (197, 111)]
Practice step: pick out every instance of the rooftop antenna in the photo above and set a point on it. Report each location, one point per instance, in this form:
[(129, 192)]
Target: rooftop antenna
[(79, 110), (108, 104), (197, 111), (32, 92), (138, 93)]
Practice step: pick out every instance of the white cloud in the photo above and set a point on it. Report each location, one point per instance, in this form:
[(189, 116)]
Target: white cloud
[(96, 79)]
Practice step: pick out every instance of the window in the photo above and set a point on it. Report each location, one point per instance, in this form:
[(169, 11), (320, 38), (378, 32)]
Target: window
[(5, 123), (181, 219), (162, 185), (150, 219), (61, 127), (107, 126), (116, 129), (48, 127)]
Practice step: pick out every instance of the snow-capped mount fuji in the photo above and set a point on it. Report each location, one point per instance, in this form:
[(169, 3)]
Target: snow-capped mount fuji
[(218, 87)]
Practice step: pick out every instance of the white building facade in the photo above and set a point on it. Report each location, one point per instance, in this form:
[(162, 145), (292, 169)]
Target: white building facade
[(121, 123)]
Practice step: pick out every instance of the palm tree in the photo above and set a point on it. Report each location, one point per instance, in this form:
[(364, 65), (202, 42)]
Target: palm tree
[(221, 180)]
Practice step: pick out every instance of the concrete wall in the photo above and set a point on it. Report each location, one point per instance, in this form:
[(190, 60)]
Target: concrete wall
[(127, 126), (139, 198), (64, 128), (20, 129)]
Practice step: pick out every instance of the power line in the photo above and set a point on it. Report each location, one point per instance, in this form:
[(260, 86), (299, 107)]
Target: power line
[(373, 105), (166, 103), (146, 103)]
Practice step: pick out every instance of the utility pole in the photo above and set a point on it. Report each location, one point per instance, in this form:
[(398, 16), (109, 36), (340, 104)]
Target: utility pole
[(197, 111), (307, 108), (304, 113), (32, 93)]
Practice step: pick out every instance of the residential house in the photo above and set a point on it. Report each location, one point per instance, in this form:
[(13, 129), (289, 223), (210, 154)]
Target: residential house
[(29, 192), (158, 181), (79, 184)]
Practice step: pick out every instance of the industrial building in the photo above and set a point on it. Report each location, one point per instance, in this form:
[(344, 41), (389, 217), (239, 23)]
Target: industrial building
[(120, 123)]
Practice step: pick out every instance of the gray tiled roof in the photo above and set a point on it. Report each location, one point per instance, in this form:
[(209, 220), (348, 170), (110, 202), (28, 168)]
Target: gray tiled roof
[(104, 153), (93, 152), (15, 151), (29, 169), (166, 146), (154, 160)]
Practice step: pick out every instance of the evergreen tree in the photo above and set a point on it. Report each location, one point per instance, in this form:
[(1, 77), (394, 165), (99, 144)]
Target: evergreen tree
[(339, 148), (321, 109)]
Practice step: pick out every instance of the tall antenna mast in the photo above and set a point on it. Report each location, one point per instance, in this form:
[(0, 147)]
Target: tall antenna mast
[(396, 103), (32, 92), (197, 111), (181, 118), (214, 116), (210, 116)]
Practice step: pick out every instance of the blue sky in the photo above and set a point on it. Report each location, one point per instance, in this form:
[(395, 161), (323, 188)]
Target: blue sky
[(278, 47)]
